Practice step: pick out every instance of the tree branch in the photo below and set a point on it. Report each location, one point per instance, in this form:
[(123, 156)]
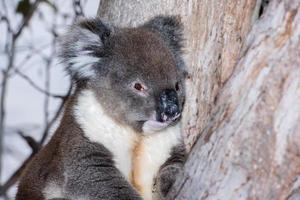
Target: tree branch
[(35, 86)]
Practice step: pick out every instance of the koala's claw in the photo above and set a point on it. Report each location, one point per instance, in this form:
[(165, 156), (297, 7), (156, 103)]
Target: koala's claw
[(166, 179)]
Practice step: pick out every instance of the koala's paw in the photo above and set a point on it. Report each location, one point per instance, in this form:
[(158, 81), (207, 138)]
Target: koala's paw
[(166, 179)]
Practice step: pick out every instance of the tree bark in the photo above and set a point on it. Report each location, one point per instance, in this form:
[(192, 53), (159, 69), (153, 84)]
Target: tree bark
[(243, 98)]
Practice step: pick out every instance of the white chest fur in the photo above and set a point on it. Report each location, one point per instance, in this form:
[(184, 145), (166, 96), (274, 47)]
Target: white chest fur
[(150, 154), (136, 157), (100, 128)]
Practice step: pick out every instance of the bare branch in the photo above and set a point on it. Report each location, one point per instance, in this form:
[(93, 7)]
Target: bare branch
[(27, 18), (15, 176), (77, 9), (35, 86), (34, 145)]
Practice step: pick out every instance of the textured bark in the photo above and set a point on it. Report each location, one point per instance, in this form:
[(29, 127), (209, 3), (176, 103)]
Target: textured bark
[(243, 98)]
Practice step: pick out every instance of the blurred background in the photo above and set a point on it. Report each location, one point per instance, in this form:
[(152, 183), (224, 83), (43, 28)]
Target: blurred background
[(33, 84)]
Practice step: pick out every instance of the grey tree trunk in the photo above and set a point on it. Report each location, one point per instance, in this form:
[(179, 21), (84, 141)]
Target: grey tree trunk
[(242, 118)]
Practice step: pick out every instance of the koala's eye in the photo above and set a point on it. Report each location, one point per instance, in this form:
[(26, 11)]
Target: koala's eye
[(139, 87), (177, 87)]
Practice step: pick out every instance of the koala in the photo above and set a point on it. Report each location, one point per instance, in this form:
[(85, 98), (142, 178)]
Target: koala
[(119, 137)]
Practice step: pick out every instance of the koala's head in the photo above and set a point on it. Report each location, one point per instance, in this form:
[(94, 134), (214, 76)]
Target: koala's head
[(137, 74)]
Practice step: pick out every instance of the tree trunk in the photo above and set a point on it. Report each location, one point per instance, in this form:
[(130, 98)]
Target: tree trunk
[(243, 98)]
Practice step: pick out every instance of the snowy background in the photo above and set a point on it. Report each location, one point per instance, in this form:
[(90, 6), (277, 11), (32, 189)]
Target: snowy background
[(28, 109)]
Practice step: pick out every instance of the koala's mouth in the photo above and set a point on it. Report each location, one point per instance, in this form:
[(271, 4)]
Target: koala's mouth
[(165, 119), (153, 125)]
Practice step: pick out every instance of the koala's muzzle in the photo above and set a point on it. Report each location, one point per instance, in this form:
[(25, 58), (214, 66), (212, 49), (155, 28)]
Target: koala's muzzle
[(168, 106)]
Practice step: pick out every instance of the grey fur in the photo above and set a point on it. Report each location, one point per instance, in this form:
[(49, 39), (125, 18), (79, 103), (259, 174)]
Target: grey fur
[(150, 54), (170, 170)]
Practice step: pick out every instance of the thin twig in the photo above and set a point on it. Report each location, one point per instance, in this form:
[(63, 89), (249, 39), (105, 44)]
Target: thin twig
[(77, 9), (3, 96), (47, 88), (34, 145), (15, 176), (27, 18), (35, 86)]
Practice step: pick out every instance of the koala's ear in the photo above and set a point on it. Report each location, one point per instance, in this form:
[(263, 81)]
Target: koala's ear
[(170, 28), (83, 46)]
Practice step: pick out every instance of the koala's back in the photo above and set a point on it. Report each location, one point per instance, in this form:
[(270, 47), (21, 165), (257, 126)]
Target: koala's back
[(43, 167)]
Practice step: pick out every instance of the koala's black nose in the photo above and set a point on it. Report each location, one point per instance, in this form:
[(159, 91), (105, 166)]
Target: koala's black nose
[(168, 106)]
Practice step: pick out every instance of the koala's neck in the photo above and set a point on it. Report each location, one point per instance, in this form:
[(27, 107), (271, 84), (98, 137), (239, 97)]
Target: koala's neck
[(100, 128)]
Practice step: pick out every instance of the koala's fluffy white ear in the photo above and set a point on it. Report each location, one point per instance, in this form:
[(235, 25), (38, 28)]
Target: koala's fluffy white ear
[(170, 28), (82, 47)]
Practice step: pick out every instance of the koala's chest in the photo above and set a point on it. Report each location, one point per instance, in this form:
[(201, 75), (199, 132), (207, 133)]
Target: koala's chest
[(139, 159), (149, 155)]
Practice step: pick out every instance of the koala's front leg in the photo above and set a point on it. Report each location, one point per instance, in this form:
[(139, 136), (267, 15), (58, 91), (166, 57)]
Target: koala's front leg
[(169, 171), (91, 174)]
